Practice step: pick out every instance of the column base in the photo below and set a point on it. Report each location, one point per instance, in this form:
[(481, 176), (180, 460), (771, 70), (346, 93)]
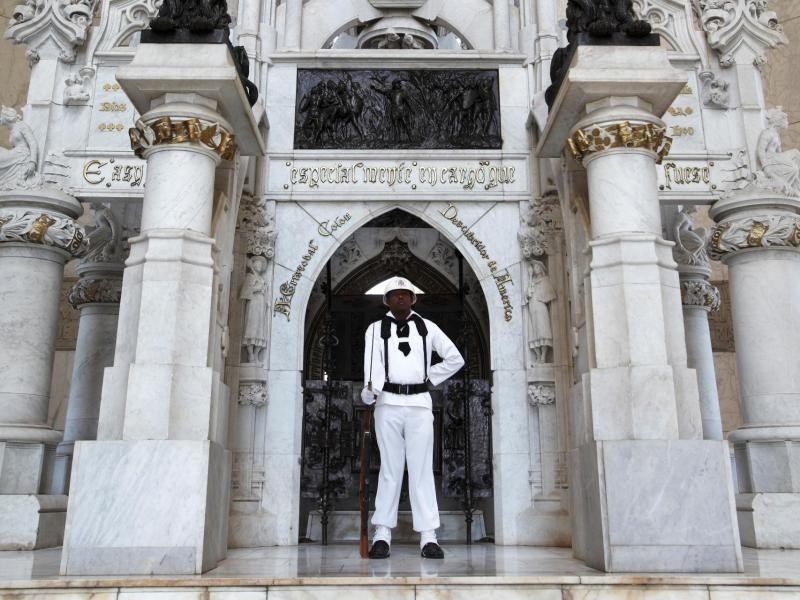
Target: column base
[(769, 520), (655, 506), (147, 507), (30, 522)]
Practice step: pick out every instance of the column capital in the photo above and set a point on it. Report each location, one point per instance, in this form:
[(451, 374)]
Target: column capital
[(198, 133), (699, 293), (757, 231), (600, 137), (42, 217), (99, 283)]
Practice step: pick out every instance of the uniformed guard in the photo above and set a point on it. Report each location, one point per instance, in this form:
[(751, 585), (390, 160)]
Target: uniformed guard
[(397, 364)]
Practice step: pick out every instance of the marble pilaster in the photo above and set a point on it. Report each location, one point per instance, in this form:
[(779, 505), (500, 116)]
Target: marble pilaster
[(642, 452), (502, 26), (158, 477), (757, 238), (38, 234)]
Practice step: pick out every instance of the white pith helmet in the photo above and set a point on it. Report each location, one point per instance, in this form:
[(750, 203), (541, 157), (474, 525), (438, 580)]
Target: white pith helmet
[(398, 283)]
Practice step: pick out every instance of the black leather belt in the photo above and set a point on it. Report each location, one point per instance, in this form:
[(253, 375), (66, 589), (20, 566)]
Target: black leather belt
[(406, 389)]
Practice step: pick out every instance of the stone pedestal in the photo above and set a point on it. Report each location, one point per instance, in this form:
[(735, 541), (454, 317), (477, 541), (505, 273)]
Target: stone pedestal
[(38, 235), (648, 493), (757, 237), (151, 495), (96, 295)]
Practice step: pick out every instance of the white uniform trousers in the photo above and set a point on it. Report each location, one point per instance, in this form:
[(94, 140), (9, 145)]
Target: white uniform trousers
[(405, 434)]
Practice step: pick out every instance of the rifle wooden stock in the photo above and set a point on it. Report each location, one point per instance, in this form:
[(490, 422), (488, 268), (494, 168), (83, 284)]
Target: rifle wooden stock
[(363, 481)]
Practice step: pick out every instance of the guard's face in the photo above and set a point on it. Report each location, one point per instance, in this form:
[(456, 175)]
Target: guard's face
[(399, 301)]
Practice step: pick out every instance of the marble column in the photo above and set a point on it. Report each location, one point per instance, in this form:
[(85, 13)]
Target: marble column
[(293, 25), (758, 236), (96, 295), (38, 234), (502, 26), (157, 480), (648, 492), (699, 298)]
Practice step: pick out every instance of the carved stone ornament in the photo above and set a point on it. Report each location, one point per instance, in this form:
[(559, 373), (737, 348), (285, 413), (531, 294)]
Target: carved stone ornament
[(76, 87), (41, 228), (107, 243), (19, 165), (755, 232), (734, 26), (540, 222), (598, 138), (257, 225), (90, 290), (166, 131), (780, 169), (541, 394), (443, 256), (690, 241), (714, 92), (698, 292), (64, 22), (253, 394)]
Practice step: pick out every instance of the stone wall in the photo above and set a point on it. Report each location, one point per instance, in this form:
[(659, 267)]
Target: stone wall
[(780, 77), (14, 70)]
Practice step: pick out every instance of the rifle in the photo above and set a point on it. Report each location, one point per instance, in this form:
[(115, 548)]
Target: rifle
[(363, 477), (363, 481)]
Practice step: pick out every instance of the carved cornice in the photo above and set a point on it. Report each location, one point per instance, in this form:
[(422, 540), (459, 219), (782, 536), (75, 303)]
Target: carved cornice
[(698, 292), (621, 134), (166, 131), (65, 23), (541, 394), (253, 393), (739, 29), (38, 227), (755, 232), (92, 290)]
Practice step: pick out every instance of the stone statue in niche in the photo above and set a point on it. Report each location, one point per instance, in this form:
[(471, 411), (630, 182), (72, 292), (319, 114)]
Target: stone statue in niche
[(539, 295), (690, 241), (254, 293), (780, 169), (383, 109), (19, 165)]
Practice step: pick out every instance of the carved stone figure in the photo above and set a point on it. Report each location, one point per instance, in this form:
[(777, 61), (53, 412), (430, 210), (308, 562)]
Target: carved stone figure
[(19, 166), (76, 90), (254, 290), (780, 169), (715, 90), (539, 295), (105, 239), (257, 224), (690, 241)]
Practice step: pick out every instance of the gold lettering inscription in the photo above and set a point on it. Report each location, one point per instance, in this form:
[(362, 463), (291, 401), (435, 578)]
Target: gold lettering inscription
[(113, 107), (326, 228), (283, 303), (676, 175), (97, 171), (502, 278), (680, 111), (678, 131), (485, 175)]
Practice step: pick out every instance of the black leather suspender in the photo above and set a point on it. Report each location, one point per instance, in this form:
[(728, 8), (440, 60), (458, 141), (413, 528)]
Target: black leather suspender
[(386, 332)]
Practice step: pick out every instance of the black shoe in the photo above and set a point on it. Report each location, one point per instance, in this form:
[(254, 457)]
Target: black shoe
[(380, 549), (432, 550)]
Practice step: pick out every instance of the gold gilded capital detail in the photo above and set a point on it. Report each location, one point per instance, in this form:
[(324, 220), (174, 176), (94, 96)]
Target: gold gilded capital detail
[(167, 131), (755, 232), (621, 134)]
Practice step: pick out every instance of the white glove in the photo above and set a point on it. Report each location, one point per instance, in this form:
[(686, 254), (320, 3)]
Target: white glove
[(368, 396)]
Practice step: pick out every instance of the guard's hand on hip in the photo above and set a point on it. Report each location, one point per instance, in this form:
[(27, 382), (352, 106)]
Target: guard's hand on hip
[(368, 396)]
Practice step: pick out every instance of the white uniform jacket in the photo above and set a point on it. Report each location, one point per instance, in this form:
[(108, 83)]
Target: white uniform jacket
[(408, 369)]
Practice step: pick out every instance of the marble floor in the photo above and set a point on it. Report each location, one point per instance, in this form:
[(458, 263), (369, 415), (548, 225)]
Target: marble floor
[(339, 565)]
